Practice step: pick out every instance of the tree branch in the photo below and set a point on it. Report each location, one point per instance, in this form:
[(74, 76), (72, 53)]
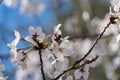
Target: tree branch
[(73, 67), (41, 61), (96, 41), (89, 51)]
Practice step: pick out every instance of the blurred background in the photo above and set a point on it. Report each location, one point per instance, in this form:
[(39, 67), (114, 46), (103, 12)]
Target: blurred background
[(82, 20)]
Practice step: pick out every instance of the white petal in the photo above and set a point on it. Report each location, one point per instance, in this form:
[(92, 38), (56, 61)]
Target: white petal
[(29, 39), (31, 30), (67, 50), (118, 38), (86, 72), (69, 77), (17, 34), (60, 56), (39, 30), (56, 73), (57, 27), (57, 64), (41, 36), (33, 59), (77, 74), (19, 63), (86, 75)]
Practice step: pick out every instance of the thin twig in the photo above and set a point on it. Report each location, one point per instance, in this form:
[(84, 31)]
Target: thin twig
[(96, 41), (88, 62), (73, 67), (89, 51)]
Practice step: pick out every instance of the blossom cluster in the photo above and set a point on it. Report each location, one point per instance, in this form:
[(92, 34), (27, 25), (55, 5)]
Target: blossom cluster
[(26, 6), (50, 56)]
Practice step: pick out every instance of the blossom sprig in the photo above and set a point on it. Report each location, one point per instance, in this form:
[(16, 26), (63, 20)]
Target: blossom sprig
[(89, 51), (53, 56)]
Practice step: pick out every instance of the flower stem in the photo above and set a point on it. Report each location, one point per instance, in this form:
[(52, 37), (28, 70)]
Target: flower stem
[(73, 67), (41, 61)]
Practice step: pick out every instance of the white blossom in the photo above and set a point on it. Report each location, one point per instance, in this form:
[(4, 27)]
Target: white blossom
[(61, 50), (11, 3), (20, 64), (36, 33), (14, 43), (60, 65), (2, 68), (21, 59), (84, 71), (55, 57), (57, 32), (29, 74), (31, 7), (69, 77)]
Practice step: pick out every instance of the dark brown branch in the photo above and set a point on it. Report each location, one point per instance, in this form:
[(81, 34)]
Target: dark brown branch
[(73, 67), (88, 62), (41, 61), (89, 51), (96, 41)]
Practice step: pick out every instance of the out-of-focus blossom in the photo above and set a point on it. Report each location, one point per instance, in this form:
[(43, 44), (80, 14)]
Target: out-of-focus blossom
[(31, 7), (71, 26), (116, 62), (29, 74), (82, 46), (99, 24), (114, 47), (2, 67), (26, 6), (86, 16), (118, 38), (11, 3), (110, 71)]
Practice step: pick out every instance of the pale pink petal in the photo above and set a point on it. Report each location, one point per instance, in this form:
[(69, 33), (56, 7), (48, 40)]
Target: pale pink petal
[(69, 77), (77, 74), (118, 38)]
